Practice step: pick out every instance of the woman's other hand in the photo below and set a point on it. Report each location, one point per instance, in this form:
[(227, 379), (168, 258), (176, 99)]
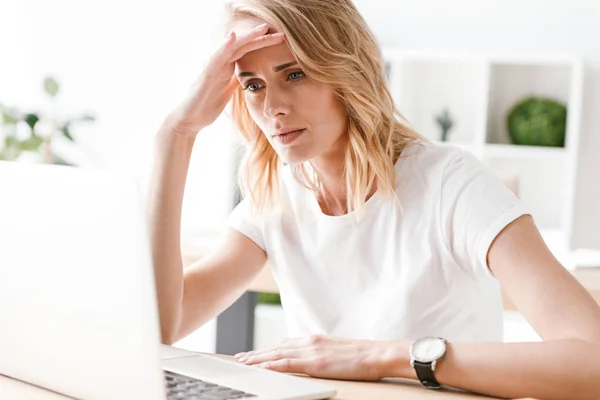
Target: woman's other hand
[(323, 356)]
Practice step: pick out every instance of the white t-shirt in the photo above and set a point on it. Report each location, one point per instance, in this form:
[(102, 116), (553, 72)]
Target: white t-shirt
[(405, 270)]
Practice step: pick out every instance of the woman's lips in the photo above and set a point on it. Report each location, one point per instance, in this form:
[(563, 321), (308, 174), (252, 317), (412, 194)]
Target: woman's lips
[(289, 137)]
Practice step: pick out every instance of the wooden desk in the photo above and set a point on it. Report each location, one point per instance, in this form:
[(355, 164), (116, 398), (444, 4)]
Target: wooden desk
[(392, 389)]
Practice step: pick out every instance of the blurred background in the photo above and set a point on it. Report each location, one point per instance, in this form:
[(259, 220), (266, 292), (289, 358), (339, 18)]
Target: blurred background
[(517, 82)]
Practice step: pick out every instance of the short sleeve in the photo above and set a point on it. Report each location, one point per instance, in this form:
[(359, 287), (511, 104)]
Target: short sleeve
[(475, 207), (247, 221)]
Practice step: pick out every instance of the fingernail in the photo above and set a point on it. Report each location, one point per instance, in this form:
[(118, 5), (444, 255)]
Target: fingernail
[(238, 355), (260, 27), (229, 35), (278, 34)]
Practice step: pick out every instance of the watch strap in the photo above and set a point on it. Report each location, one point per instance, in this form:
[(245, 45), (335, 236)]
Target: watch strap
[(426, 375)]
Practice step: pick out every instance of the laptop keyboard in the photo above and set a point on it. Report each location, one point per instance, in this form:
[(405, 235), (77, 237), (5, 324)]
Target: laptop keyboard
[(181, 387)]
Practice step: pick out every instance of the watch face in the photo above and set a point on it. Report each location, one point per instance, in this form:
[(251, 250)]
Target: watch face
[(428, 349)]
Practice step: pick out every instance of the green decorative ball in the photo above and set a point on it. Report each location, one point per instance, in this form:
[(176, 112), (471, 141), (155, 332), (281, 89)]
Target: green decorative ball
[(538, 122)]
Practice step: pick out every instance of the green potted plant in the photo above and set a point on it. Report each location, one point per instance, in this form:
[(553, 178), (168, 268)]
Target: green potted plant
[(31, 133), (538, 121), (445, 122)]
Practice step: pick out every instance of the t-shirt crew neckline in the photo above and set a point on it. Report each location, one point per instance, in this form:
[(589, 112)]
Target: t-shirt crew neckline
[(371, 202), (316, 208)]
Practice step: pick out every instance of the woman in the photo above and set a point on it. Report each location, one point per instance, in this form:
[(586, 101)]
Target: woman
[(389, 251)]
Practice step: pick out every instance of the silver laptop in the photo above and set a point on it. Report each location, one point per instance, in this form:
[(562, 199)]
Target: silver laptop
[(78, 312)]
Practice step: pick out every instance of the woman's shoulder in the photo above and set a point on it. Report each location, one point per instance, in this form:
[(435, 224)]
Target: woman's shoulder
[(430, 158)]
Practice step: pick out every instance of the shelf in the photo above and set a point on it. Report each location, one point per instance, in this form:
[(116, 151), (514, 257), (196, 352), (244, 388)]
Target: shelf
[(479, 89), (540, 185), (424, 88), (581, 258), (471, 147), (519, 151), (511, 83), (493, 150)]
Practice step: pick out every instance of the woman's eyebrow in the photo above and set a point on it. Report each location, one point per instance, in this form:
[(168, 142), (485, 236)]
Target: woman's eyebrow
[(275, 69)]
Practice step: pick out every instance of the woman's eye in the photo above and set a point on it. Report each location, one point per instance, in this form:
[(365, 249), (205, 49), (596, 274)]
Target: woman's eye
[(296, 75), (253, 87), (292, 76)]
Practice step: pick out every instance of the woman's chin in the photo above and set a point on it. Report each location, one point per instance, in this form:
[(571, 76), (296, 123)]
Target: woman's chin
[(293, 157)]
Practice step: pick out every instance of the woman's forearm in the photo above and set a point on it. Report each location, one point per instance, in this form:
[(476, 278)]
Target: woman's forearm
[(171, 162), (556, 369)]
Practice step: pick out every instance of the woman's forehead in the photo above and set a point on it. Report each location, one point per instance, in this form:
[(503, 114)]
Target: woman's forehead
[(266, 59)]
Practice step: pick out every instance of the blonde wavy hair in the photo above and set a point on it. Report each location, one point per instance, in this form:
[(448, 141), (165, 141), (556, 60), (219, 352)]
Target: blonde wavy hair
[(334, 46)]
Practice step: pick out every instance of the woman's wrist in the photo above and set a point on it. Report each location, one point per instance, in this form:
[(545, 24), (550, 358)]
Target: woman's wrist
[(173, 147), (393, 359), (173, 127), (169, 140)]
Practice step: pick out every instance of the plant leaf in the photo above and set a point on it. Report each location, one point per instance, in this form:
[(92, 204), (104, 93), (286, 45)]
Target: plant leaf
[(9, 117), (31, 144), (269, 298), (51, 86), (65, 130), (11, 148), (31, 120), (10, 141)]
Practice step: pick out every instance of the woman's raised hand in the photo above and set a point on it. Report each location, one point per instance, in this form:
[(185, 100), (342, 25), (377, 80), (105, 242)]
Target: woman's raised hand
[(213, 89)]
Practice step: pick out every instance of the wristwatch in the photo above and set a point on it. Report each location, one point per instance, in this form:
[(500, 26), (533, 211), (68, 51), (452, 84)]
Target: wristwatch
[(424, 355)]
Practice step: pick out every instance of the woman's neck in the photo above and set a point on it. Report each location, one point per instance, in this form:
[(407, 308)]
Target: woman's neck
[(329, 169), (332, 197)]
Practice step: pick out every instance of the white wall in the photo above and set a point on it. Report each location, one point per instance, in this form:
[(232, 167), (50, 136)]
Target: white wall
[(511, 25), (129, 63)]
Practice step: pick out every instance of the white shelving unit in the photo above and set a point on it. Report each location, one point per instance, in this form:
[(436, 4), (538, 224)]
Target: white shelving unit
[(479, 89)]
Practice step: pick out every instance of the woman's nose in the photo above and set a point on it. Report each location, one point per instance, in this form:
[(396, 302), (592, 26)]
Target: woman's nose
[(276, 104)]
